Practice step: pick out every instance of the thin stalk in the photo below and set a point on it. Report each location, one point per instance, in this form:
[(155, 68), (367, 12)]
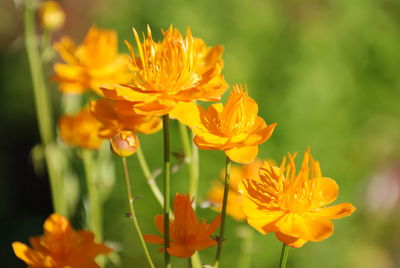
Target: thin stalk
[(192, 159), (284, 256), (149, 176), (245, 248), (190, 265), (95, 211), (167, 171), (44, 111), (132, 211), (224, 203)]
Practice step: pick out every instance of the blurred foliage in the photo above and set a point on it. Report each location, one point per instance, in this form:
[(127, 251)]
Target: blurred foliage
[(327, 71)]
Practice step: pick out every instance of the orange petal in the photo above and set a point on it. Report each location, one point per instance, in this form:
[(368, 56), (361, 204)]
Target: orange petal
[(334, 212), (159, 220), (180, 251), (29, 256), (187, 113), (290, 240), (329, 189), (153, 239), (243, 155), (304, 227)]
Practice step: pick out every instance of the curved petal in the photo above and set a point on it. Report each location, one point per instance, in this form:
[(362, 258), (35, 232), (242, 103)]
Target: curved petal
[(153, 239), (159, 221), (290, 240), (243, 155), (329, 190), (29, 256), (180, 251), (305, 227), (333, 212), (187, 113)]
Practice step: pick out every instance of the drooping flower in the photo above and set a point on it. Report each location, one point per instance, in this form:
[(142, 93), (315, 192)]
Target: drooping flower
[(61, 246), (216, 193), (113, 122), (81, 130), (234, 128), (51, 15), (187, 234), (166, 73), (291, 205), (94, 62)]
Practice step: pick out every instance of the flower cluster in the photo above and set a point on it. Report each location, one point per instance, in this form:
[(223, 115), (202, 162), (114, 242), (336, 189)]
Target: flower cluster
[(167, 78)]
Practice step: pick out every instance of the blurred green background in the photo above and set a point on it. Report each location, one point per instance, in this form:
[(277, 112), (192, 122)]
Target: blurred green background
[(327, 71)]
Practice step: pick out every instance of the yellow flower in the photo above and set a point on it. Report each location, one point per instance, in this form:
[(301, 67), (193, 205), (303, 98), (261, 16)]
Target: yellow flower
[(177, 69), (291, 205), (216, 194), (93, 63), (113, 122), (235, 128), (80, 130), (187, 234), (51, 15), (61, 246)]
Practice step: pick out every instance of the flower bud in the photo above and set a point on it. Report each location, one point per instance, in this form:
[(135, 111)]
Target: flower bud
[(51, 15), (125, 143)]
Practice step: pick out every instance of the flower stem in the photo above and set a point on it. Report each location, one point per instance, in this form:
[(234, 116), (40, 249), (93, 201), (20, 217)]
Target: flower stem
[(224, 203), (246, 247), (167, 167), (95, 211), (284, 255), (190, 265), (192, 158), (149, 177), (44, 111), (132, 211)]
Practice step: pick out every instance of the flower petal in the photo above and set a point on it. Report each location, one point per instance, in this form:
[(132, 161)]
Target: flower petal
[(243, 155), (290, 240), (187, 113), (334, 212), (179, 250), (153, 239), (304, 227)]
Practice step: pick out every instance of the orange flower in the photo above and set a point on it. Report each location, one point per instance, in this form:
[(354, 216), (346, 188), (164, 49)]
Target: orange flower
[(177, 69), (216, 194), (61, 246), (235, 128), (93, 63), (80, 130), (293, 205), (186, 233), (112, 122)]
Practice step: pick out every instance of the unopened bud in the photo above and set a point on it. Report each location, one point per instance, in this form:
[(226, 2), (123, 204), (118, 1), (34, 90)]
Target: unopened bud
[(125, 143), (51, 15)]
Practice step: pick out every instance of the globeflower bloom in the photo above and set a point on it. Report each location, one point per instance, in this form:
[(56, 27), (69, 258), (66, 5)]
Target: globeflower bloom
[(187, 234), (166, 73), (94, 62), (80, 130), (234, 128), (291, 205), (61, 246), (216, 193), (113, 122)]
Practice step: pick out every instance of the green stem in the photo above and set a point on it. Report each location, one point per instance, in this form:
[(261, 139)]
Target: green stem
[(245, 247), (44, 111), (224, 204), (132, 211), (95, 211), (284, 256), (149, 176), (167, 170), (190, 265)]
